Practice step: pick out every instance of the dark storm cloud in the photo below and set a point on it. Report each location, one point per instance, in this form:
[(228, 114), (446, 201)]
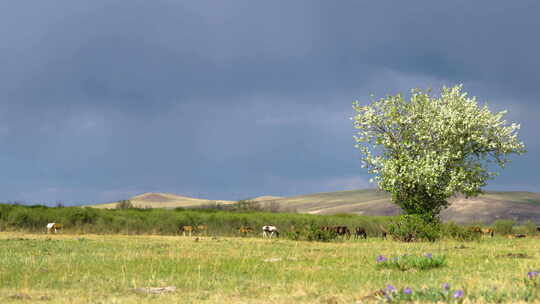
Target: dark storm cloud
[(103, 99)]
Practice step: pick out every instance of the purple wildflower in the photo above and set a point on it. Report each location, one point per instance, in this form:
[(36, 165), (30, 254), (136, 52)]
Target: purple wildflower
[(391, 288), (381, 258), (428, 255), (446, 286), (533, 274), (407, 290), (458, 294)]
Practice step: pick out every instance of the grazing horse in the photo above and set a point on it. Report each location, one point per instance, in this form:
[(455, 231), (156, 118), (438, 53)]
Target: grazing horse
[(53, 227), (203, 229), (185, 229), (270, 231), (245, 230), (487, 231), (482, 231), (360, 232)]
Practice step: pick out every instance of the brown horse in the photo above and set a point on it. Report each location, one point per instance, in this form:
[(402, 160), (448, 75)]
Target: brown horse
[(482, 231), (487, 231), (188, 229), (244, 230), (202, 229)]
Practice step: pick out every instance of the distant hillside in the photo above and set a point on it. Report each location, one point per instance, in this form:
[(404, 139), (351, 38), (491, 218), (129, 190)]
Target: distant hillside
[(164, 200), (486, 208), (519, 206)]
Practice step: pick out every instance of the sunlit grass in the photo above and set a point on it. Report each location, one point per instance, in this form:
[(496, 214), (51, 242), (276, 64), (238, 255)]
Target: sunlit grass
[(106, 268)]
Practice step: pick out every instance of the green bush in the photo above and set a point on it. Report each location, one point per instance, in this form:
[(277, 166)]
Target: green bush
[(413, 227), (311, 233), (124, 204), (25, 217), (503, 226), (315, 233), (529, 227), (79, 216)]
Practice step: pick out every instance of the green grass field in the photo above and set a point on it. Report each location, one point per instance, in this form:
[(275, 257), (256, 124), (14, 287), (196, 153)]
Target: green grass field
[(70, 268)]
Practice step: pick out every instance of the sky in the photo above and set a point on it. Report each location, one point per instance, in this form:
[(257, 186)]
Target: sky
[(102, 100)]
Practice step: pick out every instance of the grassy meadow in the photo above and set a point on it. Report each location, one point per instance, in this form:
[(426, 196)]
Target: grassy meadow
[(90, 268)]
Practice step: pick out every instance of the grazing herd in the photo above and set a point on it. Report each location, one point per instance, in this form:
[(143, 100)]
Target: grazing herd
[(269, 231)]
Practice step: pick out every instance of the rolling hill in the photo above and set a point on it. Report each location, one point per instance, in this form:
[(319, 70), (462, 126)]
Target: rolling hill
[(486, 208), (163, 200)]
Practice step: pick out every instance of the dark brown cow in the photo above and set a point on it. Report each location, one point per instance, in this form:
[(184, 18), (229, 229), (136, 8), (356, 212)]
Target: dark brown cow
[(360, 232), (342, 231)]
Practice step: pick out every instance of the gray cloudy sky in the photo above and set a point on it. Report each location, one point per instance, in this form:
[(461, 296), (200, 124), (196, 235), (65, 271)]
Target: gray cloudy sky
[(101, 100)]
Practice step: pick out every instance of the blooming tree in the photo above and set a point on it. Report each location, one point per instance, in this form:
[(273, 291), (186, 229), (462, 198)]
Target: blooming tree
[(429, 148)]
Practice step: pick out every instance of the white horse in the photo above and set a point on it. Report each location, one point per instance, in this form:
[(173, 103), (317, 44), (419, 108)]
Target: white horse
[(270, 231), (53, 227)]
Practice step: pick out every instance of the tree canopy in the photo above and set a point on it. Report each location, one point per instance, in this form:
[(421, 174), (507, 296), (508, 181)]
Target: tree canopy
[(428, 148)]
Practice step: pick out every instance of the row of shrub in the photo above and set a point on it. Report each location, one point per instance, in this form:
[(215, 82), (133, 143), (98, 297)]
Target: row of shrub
[(168, 221), (408, 228), (128, 220)]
